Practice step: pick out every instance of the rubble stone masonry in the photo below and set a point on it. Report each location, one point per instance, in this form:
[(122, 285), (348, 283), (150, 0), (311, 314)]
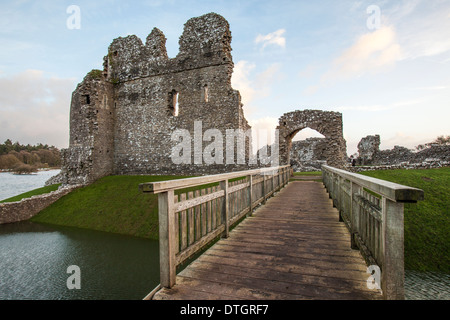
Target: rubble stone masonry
[(122, 118), (29, 207)]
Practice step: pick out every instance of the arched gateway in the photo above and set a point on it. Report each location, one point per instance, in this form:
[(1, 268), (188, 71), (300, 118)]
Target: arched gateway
[(327, 123)]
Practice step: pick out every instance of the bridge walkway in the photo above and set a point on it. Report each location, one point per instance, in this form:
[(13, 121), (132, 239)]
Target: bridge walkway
[(291, 248)]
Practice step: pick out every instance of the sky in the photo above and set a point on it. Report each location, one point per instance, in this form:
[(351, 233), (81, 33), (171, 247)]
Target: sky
[(385, 65)]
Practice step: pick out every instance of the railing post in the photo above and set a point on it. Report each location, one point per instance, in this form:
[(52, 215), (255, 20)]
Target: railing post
[(339, 197), (354, 212), (250, 191), (273, 181), (279, 179), (264, 187), (393, 273), (224, 187), (167, 243)]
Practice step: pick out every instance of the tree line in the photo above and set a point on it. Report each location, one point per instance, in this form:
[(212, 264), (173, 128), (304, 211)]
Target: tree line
[(28, 158)]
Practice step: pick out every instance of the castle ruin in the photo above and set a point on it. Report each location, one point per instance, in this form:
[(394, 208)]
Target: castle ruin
[(327, 123), (121, 118), (370, 155)]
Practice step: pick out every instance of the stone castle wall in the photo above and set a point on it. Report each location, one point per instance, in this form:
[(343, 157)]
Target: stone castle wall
[(309, 154), (122, 117), (401, 157), (27, 208), (328, 123)]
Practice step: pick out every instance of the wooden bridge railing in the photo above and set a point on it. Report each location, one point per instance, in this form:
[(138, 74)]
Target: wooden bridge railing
[(372, 210), (188, 221)]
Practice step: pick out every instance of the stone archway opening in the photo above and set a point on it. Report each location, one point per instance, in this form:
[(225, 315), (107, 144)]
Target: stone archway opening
[(308, 150), (327, 123)]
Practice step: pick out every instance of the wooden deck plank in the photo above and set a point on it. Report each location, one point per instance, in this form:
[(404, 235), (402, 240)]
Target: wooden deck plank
[(292, 248)]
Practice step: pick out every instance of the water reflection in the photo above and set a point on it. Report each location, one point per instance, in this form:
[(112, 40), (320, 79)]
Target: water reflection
[(34, 259)]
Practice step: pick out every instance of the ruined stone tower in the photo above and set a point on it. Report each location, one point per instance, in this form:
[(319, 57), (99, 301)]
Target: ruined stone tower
[(122, 118)]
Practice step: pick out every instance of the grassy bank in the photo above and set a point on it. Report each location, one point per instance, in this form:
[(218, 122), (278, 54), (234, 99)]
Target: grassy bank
[(427, 223), (111, 204), (308, 173)]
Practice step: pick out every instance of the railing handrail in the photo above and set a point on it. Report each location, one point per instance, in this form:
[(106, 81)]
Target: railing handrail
[(376, 222), (183, 226), (392, 191), (162, 186)]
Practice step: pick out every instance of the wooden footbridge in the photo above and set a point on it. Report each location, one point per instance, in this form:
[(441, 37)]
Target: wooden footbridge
[(277, 238)]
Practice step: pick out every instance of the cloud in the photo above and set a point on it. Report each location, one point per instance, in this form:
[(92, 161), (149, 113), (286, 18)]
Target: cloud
[(240, 80), (423, 27), (254, 86), (308, 72), (274, 38), (399, 139), (380, 107), (431, 88), (263, 131), (35, 108), (370, 53)]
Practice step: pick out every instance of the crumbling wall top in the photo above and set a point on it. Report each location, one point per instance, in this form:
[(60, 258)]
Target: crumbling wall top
[(208, 36), (206, 41)]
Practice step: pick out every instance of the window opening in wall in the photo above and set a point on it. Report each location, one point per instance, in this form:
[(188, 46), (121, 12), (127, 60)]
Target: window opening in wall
[(173, 105), (87, 99), (205, 93)]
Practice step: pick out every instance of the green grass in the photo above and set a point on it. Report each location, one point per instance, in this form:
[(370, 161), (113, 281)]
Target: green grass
[(427, 223), (112, 204), (31, 193), (310, 173)]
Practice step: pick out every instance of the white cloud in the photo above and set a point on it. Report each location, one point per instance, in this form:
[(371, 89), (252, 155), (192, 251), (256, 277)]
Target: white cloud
[(380, 107), (253, 87), (371, 52), (35, 108), (274, 38), (399, 139), (240, 81), (423, 27), (263, 131)]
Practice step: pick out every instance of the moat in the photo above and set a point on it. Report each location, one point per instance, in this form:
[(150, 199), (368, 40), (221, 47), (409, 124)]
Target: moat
[(34, 259)]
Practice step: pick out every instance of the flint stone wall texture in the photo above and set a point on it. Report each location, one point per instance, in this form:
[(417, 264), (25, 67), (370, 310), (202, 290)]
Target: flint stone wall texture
[(309, 154), (122, 117), (367, 148), (27, 208), (401, 157), (328, 123)]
